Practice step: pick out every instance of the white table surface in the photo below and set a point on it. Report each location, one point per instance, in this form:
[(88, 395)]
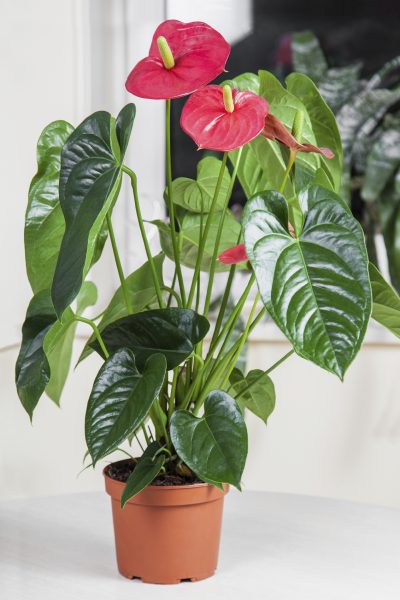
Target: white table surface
[(274, 546)]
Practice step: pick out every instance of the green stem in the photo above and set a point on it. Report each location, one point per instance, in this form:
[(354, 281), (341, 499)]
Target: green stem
[(132, 177), (218, 236), (95, 331), (146, 435), (171, 404), (225, 363), (267, 372), (206, 231), (170, 200), (292, 158), (118, 264), (172, 292)]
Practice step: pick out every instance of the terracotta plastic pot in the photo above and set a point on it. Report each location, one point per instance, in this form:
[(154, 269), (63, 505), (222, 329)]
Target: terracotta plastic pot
[(167, 534)]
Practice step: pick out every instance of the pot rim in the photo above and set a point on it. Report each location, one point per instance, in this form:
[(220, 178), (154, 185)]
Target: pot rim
[(185, 486)]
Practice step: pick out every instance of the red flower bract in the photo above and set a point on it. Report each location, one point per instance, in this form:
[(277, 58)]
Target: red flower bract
[(199, 52), (234, 255), (274, 129), (210, 125)]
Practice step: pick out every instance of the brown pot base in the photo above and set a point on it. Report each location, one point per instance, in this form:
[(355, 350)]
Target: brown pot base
[(167, 534), (167, 581)]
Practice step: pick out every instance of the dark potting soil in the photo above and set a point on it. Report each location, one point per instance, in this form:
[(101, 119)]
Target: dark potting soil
[(121, 471)]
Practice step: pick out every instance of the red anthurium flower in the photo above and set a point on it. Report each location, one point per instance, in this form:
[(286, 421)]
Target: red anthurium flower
[(274, 129), (223, 119), (182, 58), (234, 255)]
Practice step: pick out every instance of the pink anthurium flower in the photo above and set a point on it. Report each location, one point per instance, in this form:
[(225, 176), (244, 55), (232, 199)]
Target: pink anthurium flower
[(274, 129), (182, 58), (223, 119), (233, 256)]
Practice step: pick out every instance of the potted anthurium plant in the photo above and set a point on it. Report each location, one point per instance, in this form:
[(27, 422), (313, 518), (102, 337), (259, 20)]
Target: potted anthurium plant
[(298, 246)]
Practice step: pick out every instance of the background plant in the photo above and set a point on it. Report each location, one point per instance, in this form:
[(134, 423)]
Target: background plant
[(368, 118)]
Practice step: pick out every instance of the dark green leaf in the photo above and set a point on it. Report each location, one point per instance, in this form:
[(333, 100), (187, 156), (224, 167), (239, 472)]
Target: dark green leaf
[(386, 302), (197, 195), (147, 468), (44, 221), (89, 184), (58, 342), (120, 400), (173, 332), (256, 392), (32, 371), (215, 445), (191, 228), (316, 287), (141, 293)]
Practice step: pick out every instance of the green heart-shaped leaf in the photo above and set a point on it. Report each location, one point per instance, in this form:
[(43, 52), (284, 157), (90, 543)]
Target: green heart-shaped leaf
[(58, 342), (386, 302), (315, 287), (89, 184), (215, 445), (256, 392), (45, 355), (197, 195), (44, 221), (173, 332), (120, 399), (141, 292), (146, 469), (191, 227)]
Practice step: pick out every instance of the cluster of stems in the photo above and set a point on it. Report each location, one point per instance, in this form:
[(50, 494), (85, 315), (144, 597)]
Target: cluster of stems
[(208, 369)]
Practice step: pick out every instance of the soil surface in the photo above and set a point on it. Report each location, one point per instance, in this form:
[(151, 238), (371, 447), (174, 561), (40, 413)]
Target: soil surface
[(121, 471)]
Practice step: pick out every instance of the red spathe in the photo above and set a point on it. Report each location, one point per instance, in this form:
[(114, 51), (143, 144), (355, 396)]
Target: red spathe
[(200, 54)]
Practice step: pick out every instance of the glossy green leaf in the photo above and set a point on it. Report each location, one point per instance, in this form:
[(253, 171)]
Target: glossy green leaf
[(192, 225), (141, 293), (89, 184), (173, 332), (315, 287), (386, 302), (323, 124), (120, 399), (255, 391), (44, 221), (243, 82), (215, 445), (197, 195), (32, 371), (145, 471), (58, 342)]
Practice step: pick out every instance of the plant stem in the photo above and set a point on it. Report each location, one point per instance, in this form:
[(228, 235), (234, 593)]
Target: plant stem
[(206, 231), (95, 331), (170, 200), (226, 362), (172, 292), (218, 236), (146, 435), (267, 372), (232, 319), (118, 264), (292, 158), (132, 177), (171, 403)]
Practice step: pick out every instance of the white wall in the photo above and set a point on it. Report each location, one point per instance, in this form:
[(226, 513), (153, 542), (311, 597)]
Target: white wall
[(325, 438)]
